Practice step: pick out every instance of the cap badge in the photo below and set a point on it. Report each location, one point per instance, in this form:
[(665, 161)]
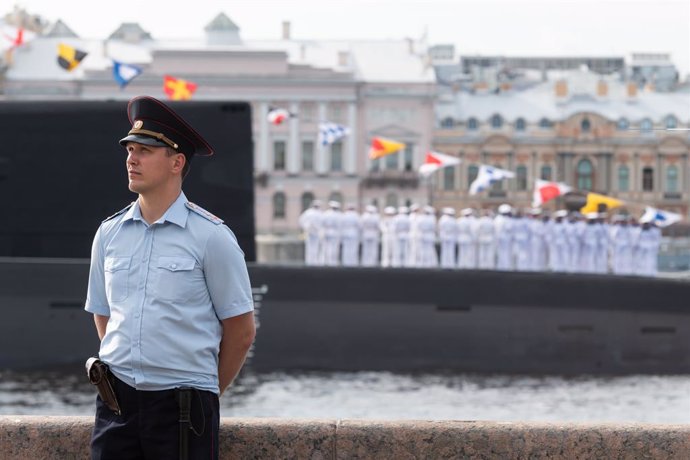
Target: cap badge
[(138, 124)]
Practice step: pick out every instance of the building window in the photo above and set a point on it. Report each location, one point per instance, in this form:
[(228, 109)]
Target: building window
[(472, 124), (585, 125), (521, 177), (336, 196), (623, 124), (307, 156), (337, 156), (392, 199), (672, 179), (544, 123), (279, 156), (408, 156), (472, 172), (623, 178), (671, 122), (546, 172), (375, 165), (448, 178), (391, 161), (496, 121), (279, 205), (584, 175), (520, 124), (307, 199), (447, 122), (646, 125), (647, 179), (307, 112)]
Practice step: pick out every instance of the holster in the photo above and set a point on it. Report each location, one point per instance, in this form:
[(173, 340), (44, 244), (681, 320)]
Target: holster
[(99, 375)]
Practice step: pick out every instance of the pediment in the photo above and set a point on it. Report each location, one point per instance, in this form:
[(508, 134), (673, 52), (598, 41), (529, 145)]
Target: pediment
[(673, 144), (394, 131)]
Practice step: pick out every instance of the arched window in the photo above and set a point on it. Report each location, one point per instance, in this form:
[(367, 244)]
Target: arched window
[(307, 199), (520, 124), (647, 179), (623, 178), (448, 178), (546, 172), (623, 124), (585, 171), (545, 123), (671, 122), (336, 196), (472, 172), (586, 125), (447, 122), (672, 179), (392, 199), (472, 124), (521, 177), (496, 121), (279, 205), (646, 125)]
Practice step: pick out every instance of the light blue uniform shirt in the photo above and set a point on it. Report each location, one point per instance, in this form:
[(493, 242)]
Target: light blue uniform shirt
[(165, 287)]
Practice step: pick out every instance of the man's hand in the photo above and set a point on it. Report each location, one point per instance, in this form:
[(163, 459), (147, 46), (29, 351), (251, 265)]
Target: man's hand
[(238, 336)]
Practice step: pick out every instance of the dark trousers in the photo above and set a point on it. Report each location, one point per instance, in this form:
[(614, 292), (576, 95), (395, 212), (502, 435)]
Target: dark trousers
[(149, 426)]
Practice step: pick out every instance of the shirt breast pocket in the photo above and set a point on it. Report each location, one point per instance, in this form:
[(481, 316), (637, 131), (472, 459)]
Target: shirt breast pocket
[(176, 278), (116, 277)]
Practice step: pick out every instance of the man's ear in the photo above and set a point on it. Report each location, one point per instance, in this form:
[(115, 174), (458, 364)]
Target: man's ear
[(180, 161)]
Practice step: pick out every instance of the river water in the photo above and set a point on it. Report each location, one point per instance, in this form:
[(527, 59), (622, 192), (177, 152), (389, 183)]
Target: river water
[(381, 395)]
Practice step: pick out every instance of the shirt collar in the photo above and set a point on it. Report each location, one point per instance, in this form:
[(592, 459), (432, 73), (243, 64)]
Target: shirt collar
[(177, 213)]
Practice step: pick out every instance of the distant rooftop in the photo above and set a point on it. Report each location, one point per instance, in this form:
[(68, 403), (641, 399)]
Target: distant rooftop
[(60, 30)]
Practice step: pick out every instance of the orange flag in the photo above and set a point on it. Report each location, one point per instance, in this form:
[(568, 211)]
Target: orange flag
[(380, 147), (178, 89)]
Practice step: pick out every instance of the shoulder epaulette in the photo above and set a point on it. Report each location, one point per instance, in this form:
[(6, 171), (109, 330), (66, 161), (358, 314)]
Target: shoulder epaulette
[(203, 213), (121, 211)]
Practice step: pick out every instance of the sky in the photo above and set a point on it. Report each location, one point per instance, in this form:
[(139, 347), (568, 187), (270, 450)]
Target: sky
[(532, 27)]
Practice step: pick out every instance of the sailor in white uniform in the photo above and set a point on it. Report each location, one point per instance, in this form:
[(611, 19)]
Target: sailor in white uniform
[(371, 234), (310, 222), (590, 244), (401, 237), (330, 239), (414, 253), (537, 224), (467, 239), (558, 242), (503, 230), (448, 237), (349, 236), (387, 227), (428, 229), (647, 249), (486, 241)]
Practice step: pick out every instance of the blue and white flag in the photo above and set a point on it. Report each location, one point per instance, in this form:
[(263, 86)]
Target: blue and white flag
[(125, 73), (659, 217), (486, 176), (331, 132)]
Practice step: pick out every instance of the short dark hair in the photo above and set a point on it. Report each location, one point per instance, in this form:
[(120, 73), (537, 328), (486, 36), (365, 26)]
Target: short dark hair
[(187, 164)]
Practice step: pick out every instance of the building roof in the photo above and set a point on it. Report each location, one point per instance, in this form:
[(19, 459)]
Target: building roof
[(60, 29), (221, 23), (540, 101)]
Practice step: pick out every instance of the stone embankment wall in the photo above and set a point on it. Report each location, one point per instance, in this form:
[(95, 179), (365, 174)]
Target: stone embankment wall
[(44, 437)]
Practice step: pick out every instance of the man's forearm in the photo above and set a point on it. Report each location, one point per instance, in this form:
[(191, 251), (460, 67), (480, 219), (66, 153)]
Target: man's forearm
[(238, 335), (101, 325)]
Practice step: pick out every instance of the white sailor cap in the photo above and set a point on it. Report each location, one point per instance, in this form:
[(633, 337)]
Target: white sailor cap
[(403, 210), (334, 204), (592, 215), (505, 208), (561, 213), (429, 209), (351, 206), (389, 210), (448, 211), (371, 208), (467, 212), (535, 211), (414, 207)]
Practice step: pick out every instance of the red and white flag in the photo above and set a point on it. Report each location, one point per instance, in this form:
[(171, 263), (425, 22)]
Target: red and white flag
[(435, 161), (277, 115), (545, 191)]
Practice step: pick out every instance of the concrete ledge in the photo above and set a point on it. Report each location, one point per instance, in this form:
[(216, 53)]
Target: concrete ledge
[(31, 437)]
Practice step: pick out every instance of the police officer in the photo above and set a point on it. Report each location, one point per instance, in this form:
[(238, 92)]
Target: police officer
[(171, 299)]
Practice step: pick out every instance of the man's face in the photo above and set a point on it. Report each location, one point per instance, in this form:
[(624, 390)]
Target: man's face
[(149, 168)]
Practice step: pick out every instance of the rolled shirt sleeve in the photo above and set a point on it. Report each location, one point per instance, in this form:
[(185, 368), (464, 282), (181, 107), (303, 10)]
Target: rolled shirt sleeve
[(226, 275), (96, 299)]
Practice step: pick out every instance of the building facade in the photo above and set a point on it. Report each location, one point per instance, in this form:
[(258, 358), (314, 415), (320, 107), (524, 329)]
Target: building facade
[(592, 132)]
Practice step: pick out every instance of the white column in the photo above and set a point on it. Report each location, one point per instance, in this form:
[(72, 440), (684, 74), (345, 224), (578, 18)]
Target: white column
[(351, 141), (321, 151), (293, 147), (262, 154)]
